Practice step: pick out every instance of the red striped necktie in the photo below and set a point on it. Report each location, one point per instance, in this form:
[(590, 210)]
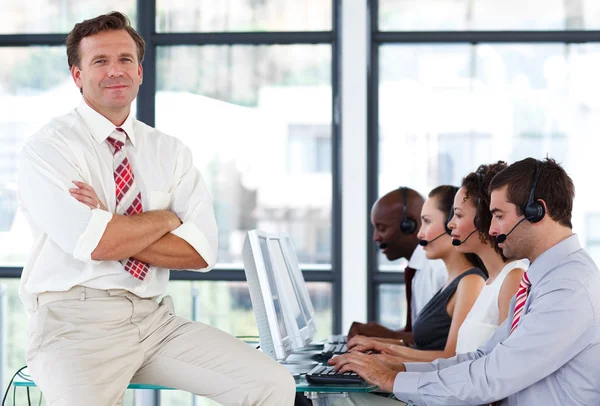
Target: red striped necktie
[(129, 198), (522, 294)]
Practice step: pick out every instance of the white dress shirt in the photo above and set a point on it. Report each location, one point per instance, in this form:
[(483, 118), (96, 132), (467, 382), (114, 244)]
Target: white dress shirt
[(74, 147), (484, 317), (430, 277)]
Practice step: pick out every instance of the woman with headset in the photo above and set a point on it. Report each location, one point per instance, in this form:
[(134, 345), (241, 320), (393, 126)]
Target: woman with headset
[(472, 216), (436, 328)]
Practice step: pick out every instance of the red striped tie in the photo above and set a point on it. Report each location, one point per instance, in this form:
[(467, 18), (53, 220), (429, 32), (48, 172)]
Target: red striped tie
[(129, 198), (520, 303)]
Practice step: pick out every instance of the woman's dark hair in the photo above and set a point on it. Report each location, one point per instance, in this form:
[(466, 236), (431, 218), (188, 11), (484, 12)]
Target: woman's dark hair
[(445, 198), (477, 188)]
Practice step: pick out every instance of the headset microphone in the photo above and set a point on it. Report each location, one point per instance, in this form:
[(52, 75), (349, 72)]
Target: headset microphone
[(502, 237), (456, 242), (423, 243)]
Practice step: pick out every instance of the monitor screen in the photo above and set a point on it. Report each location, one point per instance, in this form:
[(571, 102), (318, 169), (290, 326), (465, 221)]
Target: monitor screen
[(273, 286), (295, 273), (286, 283)]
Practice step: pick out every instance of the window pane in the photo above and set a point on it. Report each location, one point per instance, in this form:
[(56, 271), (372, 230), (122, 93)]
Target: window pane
[(243, 15), (51, 16), (445, 109), (593, 227), (13, 323), (459, 15), (258, 121), (227, 306), (35, 85), (392, 305)]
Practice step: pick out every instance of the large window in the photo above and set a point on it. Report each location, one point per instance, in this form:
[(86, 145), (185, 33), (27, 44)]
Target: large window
[(483, 15), (242, 112), (449, 94), (248, 86)]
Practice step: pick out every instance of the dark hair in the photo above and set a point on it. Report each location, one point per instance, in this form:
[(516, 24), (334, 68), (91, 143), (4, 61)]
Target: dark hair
[(477, 190), (106, 22), (554, 187), (445, 197)]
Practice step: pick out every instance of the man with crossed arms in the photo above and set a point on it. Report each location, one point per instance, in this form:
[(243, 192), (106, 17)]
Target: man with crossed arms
[(116, 204), (548, 352)]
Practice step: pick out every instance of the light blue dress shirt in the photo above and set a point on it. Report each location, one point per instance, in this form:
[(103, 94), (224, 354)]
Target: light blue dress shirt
[(552, 358)]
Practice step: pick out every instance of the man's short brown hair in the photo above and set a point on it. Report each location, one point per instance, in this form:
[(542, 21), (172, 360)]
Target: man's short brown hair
[(554, 187), (106, 22)]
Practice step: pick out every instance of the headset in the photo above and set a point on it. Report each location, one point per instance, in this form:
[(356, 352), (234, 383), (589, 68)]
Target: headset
[(408, 225), (534, 211), (479, 177)]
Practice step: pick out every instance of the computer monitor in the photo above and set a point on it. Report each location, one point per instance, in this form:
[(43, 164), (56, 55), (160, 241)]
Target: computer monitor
[(290, 295), (275, 336), (300, 288)]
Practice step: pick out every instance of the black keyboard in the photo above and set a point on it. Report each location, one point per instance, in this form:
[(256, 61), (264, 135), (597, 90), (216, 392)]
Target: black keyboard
[(330, 349), (324, 375), (338, 339)]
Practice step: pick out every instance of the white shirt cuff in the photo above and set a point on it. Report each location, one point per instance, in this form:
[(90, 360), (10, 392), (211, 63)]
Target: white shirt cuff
[(92, 235), (195, 237), (406, 385)]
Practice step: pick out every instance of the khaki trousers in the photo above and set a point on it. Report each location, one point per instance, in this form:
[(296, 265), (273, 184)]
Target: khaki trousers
[(85, 346)]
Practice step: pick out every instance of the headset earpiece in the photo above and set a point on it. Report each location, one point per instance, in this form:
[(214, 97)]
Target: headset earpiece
[(408, 225), (534, 211)]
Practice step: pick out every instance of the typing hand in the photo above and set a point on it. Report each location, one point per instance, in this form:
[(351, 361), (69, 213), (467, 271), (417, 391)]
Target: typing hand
[(86, 195), (371, 329), (367, 367), (392, 362), (364, 344)]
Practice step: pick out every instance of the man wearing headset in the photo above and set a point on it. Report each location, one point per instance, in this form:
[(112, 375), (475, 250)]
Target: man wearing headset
[(547, 352), (396, 218)]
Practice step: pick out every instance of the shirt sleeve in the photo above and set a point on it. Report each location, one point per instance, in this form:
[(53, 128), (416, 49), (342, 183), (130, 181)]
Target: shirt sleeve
[(46, 172), (193, 205), (538, 347)]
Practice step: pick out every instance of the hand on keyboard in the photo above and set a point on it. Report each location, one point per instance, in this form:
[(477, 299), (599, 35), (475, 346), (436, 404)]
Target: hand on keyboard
[(367, 367), (323, 375)]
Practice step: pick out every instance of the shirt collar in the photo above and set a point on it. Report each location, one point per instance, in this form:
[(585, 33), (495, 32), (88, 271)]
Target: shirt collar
[(100, 127), (551, 257), (418, 258)]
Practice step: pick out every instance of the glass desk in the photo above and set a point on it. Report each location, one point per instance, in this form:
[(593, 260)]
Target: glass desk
[(321, 395)]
